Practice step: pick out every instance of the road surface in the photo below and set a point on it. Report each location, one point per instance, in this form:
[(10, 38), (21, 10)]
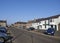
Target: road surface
[(23, 36)]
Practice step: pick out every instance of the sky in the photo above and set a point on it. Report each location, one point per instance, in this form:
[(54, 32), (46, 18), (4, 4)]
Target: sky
[(25, 10)]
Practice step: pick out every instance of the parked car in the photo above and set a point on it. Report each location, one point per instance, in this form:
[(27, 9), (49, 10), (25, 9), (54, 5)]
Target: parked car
[(50, 31), (4, 37), (31, 28)]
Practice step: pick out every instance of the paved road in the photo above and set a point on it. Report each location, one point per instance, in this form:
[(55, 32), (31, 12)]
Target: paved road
[(23, 36)]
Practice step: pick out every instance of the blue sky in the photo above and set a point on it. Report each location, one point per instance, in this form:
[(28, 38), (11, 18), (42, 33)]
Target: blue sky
[(24, 10)]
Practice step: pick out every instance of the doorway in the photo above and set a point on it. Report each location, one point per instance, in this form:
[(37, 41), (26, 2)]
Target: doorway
[(59, 26)]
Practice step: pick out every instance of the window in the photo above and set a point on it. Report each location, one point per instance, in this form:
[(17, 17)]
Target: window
[(39, 22), (0, 25), (50, 20), (45, 24), (40, 26)]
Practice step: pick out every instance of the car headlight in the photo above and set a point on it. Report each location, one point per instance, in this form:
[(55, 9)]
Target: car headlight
[(52, 32)]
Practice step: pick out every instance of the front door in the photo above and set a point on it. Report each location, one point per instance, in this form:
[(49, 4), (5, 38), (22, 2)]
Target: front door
[(59, 26), (55, 27), (38, 27), (51, 26)]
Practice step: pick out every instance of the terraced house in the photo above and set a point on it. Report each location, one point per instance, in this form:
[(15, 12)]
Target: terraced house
[(29, 24), (45, 23), (20, 24), (3, 23)]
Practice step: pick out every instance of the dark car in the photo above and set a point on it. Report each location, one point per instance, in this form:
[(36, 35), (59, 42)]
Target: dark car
[(3, 29), (50, 31), (4, 37), (31, 28)]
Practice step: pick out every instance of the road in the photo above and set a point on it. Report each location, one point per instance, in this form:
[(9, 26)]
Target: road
[(23, 36)]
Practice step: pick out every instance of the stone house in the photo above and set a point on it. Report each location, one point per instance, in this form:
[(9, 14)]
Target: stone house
[(20, 25), (3, 23), (29, 24)]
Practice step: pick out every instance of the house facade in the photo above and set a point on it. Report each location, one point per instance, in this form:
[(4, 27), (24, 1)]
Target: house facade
[(45, 23), (20, 25), (3, 23), (29, 24)]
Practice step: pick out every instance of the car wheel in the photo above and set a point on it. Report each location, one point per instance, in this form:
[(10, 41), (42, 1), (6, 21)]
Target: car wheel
[(52, 34), (9, 41), (1, 39)]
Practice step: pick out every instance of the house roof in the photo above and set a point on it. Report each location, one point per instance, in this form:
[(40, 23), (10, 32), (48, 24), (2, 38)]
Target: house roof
[(20, 23), (41, 19), (4, 21), (51, 17), (32, 21)]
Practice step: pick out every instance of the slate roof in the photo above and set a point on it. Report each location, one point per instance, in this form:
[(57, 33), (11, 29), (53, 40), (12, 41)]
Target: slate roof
[(41, 19), (20, 22), (4, 21)]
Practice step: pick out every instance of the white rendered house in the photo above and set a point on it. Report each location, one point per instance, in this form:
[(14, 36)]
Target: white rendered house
[(45, 23)]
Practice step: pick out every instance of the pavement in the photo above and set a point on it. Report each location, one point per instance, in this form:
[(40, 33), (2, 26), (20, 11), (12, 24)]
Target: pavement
[(57, 33), (24, 36)]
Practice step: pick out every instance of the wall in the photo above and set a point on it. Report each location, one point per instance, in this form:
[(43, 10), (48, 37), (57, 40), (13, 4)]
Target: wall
[(3, 24), (55, 21), (20, 26)]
